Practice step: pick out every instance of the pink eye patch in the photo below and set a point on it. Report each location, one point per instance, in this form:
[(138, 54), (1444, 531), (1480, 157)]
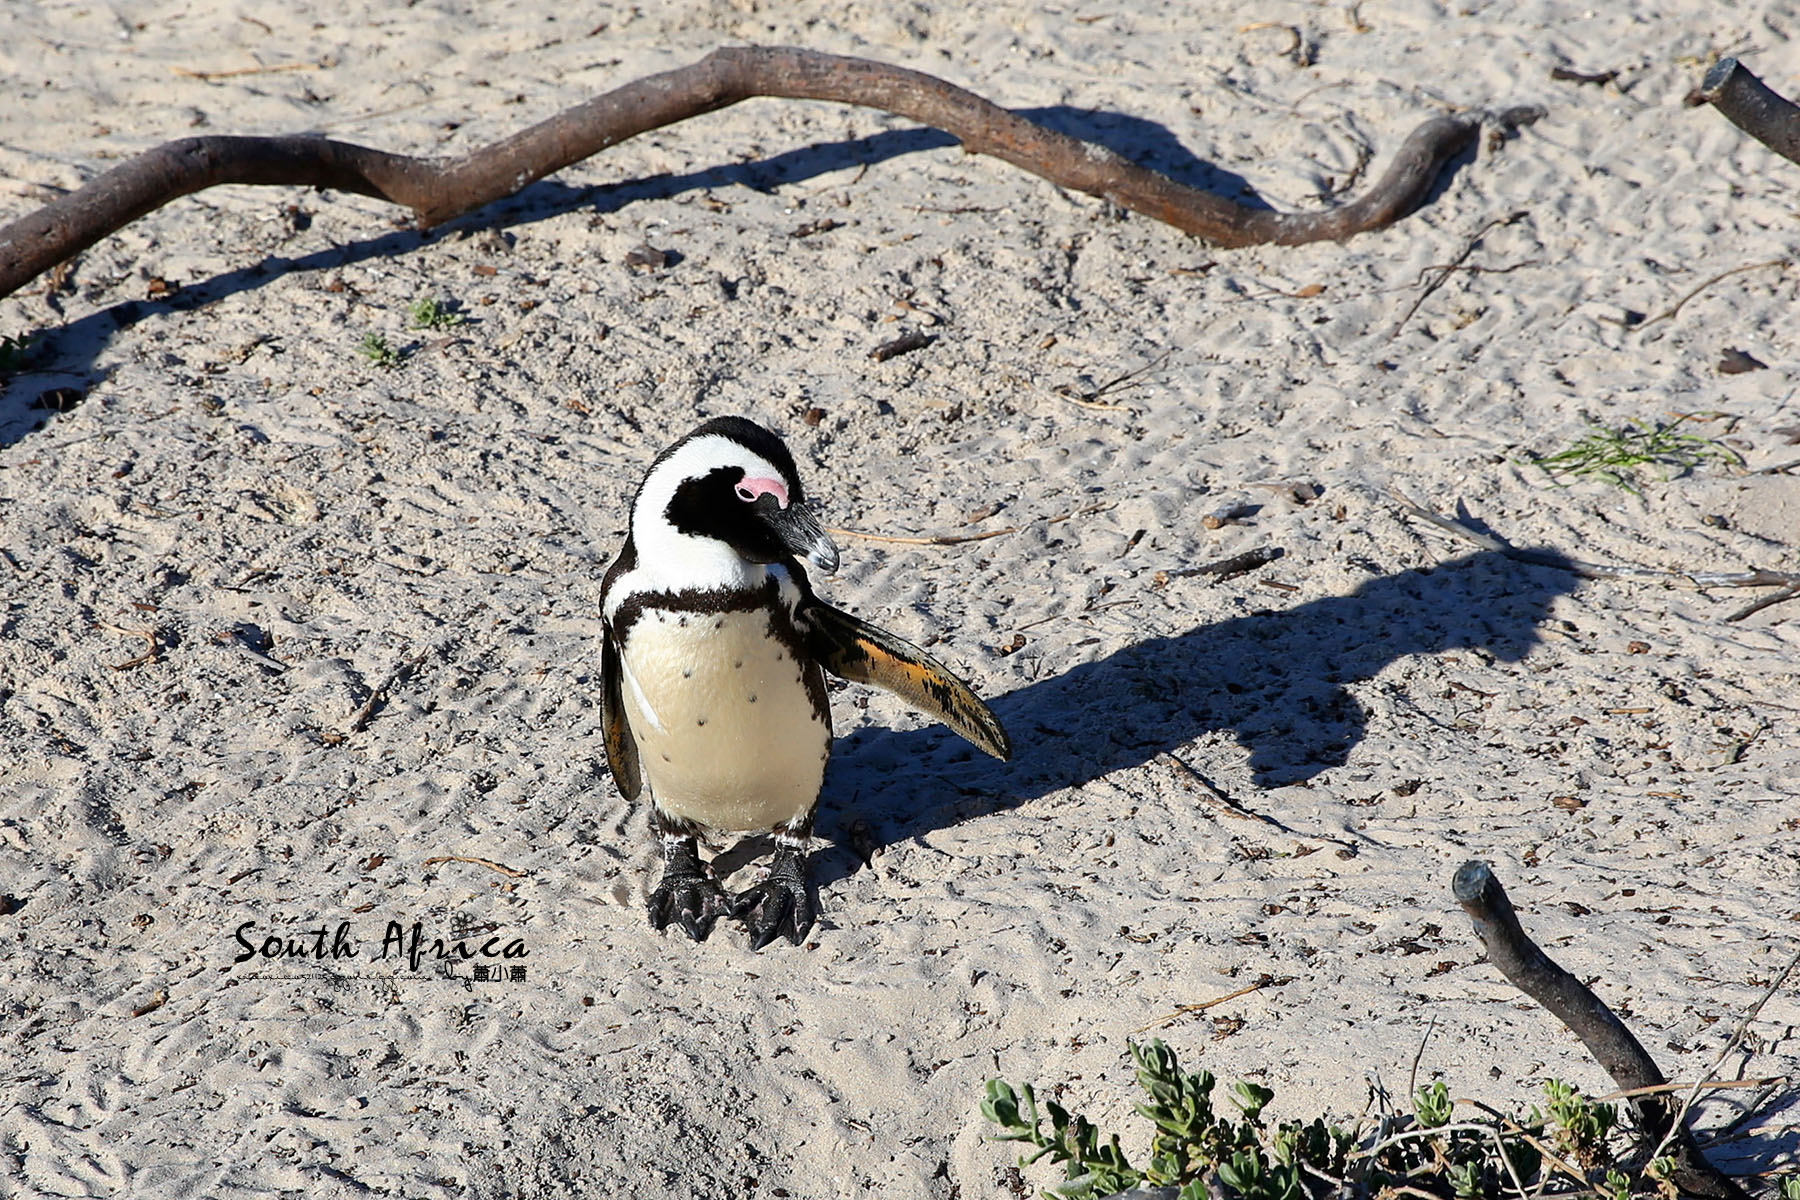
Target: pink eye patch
[(752, 490)]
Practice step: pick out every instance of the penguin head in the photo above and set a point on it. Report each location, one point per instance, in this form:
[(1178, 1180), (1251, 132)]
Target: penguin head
[(729, 486)]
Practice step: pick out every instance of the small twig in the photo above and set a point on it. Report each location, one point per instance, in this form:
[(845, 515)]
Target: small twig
[(1737, 1036), (1750, 610), (1227, 568), (1669, 314), (958, 210), (1478, 268), (379, 696), (1409, 1135), (1509, 1126), (1296, 41), (935, 539), (1185, 1010), (1562, 1164), (906, 343), (150, 654), (480, 862), (1412, 1076), (1567, 75), (1091, 400), (1526, 966), (1728, 1132), (234, 72), (1710, 1085), (1083, 611), (156, 1001), (1445, 271), (1092, 405), (955, 539), (1752, 106), (1224, 515), (1219, 799)]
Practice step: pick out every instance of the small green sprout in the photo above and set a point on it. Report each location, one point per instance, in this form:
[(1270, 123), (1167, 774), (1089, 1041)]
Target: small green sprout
[(430, 313), (1432, 1105), (376, 349)]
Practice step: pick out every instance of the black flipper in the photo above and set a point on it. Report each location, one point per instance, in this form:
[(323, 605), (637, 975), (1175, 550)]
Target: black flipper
[(621, 750), (858, 651)]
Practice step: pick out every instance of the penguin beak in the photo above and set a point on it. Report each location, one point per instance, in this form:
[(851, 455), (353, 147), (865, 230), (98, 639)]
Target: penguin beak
[(800, 533)]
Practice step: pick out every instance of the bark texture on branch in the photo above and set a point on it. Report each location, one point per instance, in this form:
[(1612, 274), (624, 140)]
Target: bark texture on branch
[(1528, 968), (438, 189), (1753, 107)]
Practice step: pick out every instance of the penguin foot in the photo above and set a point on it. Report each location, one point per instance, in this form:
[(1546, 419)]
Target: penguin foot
[(777, 905), (688, 895)]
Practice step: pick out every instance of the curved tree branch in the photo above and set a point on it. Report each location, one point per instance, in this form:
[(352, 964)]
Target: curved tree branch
[(1752, 106), (438, 189), (1528, 968)]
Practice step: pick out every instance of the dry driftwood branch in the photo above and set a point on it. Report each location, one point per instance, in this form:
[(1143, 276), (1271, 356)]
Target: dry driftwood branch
[(1528, 968), (438, 189), (1752, 106)]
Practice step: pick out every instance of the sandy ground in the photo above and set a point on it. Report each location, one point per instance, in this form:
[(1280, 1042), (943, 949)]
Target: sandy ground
[(300, 530)]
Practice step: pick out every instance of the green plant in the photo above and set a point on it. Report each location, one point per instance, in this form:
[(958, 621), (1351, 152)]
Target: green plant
[(1191, 1140), (429, 313), (15, 352), (376, 349), (1569, 1150), (1582, 1125), (1616, 455)]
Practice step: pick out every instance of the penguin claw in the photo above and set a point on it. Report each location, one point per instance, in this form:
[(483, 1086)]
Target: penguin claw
[(777, 905), (691, 899)]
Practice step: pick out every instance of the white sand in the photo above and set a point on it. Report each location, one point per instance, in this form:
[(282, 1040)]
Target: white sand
[(239, 479)]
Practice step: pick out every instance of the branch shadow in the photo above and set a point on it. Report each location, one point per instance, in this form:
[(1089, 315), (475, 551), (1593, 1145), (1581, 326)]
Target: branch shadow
[(1277, 680), (73, 349)]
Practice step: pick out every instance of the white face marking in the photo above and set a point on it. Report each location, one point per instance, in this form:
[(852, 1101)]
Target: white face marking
[(669, 560)]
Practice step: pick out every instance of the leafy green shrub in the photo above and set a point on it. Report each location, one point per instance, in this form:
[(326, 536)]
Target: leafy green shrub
[(1571, 1147)]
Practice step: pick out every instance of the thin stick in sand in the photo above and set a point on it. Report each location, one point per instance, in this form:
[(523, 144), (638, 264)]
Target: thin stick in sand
[(489, 863)]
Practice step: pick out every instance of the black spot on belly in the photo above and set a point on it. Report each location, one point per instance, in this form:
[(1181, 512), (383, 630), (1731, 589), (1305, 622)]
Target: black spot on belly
[(701, 721), (688, 673), (738, 665), (753, 697)]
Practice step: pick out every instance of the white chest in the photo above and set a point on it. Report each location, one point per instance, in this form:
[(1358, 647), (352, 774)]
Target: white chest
[(723, 717)]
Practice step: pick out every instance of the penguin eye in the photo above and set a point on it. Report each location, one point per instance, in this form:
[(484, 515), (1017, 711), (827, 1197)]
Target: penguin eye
[(750, 490)]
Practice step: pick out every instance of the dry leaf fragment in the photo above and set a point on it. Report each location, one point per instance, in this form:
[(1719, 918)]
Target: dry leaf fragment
[(1737, 362)]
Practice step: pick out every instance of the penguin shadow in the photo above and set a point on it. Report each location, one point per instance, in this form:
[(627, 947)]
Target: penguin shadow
[(1278, 681), (62, 368)]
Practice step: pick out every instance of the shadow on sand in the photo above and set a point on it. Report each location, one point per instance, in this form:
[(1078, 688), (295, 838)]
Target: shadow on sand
[(1278, 681)]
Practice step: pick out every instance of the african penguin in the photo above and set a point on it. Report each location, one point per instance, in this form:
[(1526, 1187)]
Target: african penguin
[(713, 668)]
